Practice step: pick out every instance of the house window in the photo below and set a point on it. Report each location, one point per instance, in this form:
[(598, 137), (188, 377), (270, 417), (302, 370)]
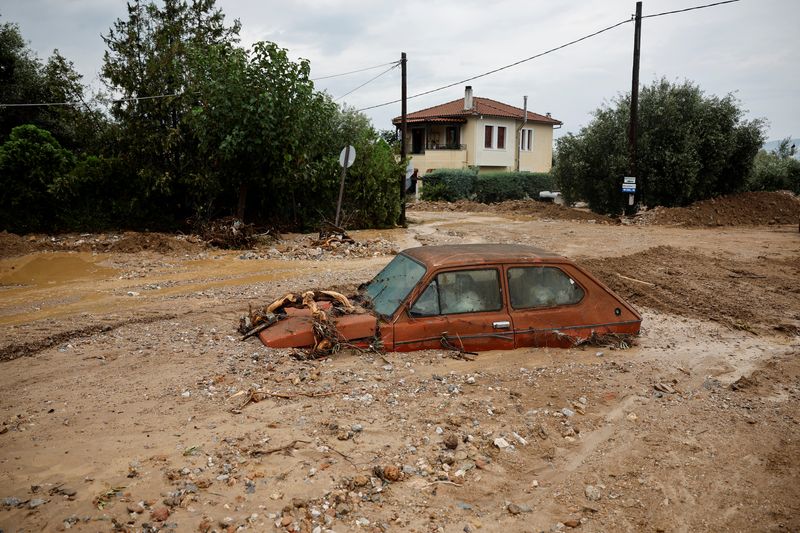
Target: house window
[(526, 139), (488, 137), (501, 137)]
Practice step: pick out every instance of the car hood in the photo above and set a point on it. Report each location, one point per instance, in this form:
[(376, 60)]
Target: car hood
[(295, 330)]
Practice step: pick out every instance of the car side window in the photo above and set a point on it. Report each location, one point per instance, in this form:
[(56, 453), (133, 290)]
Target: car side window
[(531, 287), (469, 291), (428, 302)]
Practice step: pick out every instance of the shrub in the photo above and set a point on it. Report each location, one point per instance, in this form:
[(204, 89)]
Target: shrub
[(776, 170), (449, 184), (500, 186), (691, 146)]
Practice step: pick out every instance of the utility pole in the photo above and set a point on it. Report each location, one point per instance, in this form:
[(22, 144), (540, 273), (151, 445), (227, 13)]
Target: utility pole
[(632, 134), (403, 136)]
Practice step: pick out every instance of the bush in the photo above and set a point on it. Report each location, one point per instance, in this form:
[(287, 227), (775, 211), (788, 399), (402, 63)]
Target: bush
[(500, 186), (31, 160), (776, 170), (449, 184), (691, 147)]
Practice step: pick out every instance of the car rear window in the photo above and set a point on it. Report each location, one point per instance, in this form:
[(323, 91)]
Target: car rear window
[(531, 287)]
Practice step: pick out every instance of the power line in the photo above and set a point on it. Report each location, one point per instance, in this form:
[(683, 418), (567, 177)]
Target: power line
[(504, 67), (598, 32), (116, 101), (353, 71), (688, 9), (395, 65)]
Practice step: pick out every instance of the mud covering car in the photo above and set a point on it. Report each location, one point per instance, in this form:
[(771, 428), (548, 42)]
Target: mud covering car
[(469, 297)]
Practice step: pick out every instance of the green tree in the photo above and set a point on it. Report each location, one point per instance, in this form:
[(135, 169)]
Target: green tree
[(25, 80), (147, 58), (776, 170), (691, 146), (31, 160)]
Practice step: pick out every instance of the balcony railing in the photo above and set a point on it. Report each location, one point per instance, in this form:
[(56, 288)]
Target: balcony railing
[(438, 146)]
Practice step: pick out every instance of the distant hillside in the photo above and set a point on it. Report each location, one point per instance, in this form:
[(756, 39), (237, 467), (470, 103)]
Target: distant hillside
[(773, 145)]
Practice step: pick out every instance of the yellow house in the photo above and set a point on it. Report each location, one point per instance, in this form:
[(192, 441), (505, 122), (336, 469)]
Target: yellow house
[(479, 132)]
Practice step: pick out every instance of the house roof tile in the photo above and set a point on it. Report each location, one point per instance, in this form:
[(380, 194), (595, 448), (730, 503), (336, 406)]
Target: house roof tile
[(481, 106)]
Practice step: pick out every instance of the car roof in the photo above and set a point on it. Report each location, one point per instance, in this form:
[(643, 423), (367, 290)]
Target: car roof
[(480, 254)]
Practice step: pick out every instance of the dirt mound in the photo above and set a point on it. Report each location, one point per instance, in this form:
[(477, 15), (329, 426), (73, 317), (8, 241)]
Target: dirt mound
[(155, 242), (12, 245), (745, 209), (758, 295), (518, 207)]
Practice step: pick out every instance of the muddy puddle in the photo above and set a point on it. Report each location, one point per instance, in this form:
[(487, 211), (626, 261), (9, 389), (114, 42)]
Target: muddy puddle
[(51, 269)]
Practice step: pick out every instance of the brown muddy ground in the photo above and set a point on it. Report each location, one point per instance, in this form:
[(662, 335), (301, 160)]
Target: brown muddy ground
[(120, 372)]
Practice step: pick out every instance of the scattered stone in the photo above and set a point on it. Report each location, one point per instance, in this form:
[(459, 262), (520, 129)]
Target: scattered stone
[(36, 502), (136, 508), (519, 438), (567, 412), (592, 493), (451, 441), (159, 514), (501, 443), (11, 502), (392, 473), (632, 417), (68, 491), (571, 523)]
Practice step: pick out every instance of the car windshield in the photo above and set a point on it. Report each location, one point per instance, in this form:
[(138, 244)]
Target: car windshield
[(392, 285)]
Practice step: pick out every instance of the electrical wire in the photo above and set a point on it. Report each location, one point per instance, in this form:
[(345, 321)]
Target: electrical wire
[(394, 66), (116, 101), (598, 32), (354, 71), (688, 9), (504, 67)]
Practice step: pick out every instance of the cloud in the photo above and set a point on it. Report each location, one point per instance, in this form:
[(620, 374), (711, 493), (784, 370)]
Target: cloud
[(747, 47)]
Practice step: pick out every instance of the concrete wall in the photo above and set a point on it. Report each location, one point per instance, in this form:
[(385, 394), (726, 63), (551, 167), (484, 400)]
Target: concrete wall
[(494, 157), (433, 159)]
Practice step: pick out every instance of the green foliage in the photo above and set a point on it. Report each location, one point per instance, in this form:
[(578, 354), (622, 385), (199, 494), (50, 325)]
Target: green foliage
[(457, 184), (691, 147), (499, 186), (776, 170), (449, 184), (24, 79), (31, 160), (148, 55), (240, 131)]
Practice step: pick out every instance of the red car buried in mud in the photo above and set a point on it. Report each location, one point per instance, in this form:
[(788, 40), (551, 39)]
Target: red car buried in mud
[(471, 297)]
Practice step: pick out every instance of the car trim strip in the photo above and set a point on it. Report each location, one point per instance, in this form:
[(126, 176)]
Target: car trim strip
[(518, 332)]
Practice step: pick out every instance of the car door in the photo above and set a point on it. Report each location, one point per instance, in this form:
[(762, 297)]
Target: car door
[(461, 309), (547, 305)]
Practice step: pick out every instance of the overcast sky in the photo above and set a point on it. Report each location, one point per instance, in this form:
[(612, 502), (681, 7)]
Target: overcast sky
[(749, 48)]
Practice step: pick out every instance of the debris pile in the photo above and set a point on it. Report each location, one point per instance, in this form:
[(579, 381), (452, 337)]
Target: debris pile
[(745, 209), (231, 232), (323, 305), (308, 247)]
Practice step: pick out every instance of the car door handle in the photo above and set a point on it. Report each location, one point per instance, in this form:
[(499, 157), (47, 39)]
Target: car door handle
[(503, 324)]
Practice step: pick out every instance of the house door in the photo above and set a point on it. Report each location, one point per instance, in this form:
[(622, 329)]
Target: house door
[(452, 137), (418, 141)]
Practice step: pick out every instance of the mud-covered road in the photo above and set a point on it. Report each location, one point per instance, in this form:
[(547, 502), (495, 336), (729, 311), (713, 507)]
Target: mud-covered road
[(119, 374)]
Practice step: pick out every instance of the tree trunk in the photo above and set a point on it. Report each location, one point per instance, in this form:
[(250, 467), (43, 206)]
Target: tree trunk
[(242, 202)]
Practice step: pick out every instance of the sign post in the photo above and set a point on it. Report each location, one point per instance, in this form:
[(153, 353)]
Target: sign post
[(346, 159), (629, 188)]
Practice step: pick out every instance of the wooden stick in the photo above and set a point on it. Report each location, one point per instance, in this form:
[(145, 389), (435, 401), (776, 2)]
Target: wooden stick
[(289, 446), (637, 280)]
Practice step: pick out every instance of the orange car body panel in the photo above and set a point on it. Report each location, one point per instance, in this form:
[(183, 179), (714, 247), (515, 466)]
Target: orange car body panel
[(600, 310)]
